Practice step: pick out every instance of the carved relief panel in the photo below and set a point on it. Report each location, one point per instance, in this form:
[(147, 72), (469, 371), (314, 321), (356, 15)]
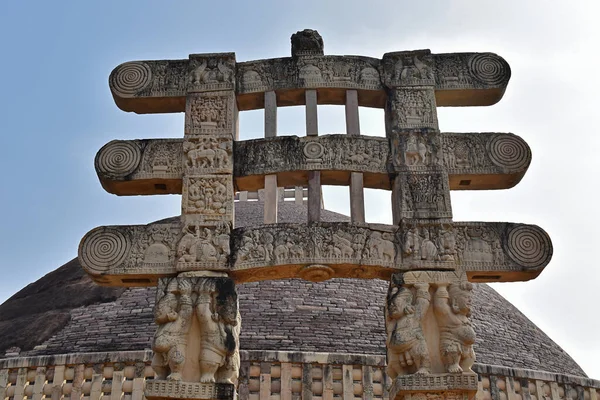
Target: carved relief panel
[(207, 197), (210, 113), (408, 68), (203, 246), (470, 71), (416, 150), (207, 154), (421, 194), (210, 72), (412, 108)]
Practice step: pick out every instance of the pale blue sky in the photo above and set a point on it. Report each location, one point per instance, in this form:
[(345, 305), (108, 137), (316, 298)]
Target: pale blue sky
[(57, 111)]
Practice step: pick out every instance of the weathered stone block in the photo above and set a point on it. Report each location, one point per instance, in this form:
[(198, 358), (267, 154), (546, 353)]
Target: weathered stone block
[(163, 389)]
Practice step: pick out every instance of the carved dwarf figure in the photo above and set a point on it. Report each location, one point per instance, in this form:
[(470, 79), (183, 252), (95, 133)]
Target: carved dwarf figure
[(219, 320), (452, 308), (407, 348), (172, 313)]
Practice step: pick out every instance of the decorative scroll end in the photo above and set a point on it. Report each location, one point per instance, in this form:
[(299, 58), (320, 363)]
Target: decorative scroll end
[(509, 152), (528, 246), (118, 159), (130, 78), (307, 43), (489, 69), (102, 248)]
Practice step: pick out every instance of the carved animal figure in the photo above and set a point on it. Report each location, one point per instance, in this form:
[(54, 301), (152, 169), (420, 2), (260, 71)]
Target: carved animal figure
[(407, 348), (203, 158), (452, 309), (344, 245), (219, 320), (382, 248)]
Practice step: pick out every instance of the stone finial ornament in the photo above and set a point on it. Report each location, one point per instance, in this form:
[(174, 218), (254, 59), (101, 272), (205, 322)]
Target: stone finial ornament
[(307, 43)]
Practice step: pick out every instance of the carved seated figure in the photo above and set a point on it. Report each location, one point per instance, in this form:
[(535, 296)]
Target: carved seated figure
[(173, 314), (452, 308), (220, 322), (407, 348)]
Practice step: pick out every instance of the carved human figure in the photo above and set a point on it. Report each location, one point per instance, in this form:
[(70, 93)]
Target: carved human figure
[(219, 320), (406, 345), (452, 308), (173, 314)]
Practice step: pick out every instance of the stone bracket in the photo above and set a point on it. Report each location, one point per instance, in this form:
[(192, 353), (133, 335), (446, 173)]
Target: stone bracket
[(488, 251)]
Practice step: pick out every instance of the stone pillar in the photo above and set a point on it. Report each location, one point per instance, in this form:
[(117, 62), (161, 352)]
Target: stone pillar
[(196, 344), (271, 196), (314, 177), (357, 196), (429, 336)]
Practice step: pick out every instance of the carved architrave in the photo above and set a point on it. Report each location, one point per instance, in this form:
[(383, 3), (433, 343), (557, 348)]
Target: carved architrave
[(411, 107), (212, 301), (207, 154), (208, 198), (211, 113), (461, 79), (408, 68), (421, 194), (415, 150), (211, 72), (473, 160), (489, 252)]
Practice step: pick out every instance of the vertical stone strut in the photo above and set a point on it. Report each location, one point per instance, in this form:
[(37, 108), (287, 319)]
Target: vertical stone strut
[(314, 177), (357, 197), (271, 198), (429, 334), (197, 340)]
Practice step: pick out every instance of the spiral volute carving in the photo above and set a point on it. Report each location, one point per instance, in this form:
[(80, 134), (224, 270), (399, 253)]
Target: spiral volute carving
[(509, 152), (118, 158), (489, 69), (529, 246), (130, 78), (103, 248)]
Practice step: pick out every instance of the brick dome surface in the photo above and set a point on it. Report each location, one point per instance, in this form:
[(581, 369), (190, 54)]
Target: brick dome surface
[(64, 312)]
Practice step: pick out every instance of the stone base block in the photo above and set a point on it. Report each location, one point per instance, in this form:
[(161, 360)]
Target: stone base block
[(162, 389), (434, 387)]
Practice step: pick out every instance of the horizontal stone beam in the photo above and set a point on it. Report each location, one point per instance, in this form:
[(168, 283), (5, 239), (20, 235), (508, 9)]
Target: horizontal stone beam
[(488, 252), (474, 161), (460, 79)]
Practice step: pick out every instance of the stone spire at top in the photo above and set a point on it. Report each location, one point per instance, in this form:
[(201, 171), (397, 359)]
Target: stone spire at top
[(307, 43)]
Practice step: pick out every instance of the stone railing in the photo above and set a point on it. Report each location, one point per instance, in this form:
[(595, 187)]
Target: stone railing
[(264, 375)]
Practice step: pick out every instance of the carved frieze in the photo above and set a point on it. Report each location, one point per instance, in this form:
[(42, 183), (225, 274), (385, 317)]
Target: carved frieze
[(488, 252), (413, 107), (157, 389), (408, 68), (434, 387), (211, 72), (213, 303), (210, 113), (329, 152), (208, 198), (421, 194)]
